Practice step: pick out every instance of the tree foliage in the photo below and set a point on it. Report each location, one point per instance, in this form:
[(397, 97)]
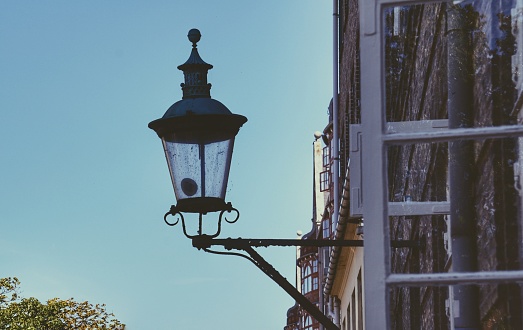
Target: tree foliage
[(18, 313)]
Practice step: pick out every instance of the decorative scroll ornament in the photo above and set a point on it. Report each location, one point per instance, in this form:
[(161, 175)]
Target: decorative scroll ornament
[(179, 216)]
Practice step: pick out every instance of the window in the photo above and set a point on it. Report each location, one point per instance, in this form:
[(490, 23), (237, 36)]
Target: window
[(326, 228), (307, 322), (326, 259), (309, 281), (315, 283), (360, 302), (493, 87), (306, 279), (326, 156), (324, 180)]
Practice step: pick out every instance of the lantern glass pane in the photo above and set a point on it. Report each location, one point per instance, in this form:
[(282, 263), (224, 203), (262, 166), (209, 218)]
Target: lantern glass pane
[(199, 170), (184, 164), (217, 164)]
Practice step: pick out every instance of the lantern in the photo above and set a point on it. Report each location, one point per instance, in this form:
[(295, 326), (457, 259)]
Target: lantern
[(198, 134)]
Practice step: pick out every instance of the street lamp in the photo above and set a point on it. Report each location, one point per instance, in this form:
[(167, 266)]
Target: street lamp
[(198, 134)]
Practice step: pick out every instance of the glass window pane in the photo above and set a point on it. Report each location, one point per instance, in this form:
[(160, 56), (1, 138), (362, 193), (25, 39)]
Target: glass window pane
[(445, 59), (482, 181), (419, 308)]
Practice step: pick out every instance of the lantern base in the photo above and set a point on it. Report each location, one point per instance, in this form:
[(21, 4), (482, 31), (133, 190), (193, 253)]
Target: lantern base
[(202, 205)]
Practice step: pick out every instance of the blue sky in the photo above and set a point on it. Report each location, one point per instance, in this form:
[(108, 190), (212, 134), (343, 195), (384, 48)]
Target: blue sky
[(84, 182)]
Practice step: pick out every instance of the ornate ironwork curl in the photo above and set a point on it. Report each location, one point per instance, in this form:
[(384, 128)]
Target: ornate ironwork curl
[(175, 212), (231, 209)]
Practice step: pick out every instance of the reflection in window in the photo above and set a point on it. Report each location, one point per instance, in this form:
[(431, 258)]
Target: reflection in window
[(425, 62)]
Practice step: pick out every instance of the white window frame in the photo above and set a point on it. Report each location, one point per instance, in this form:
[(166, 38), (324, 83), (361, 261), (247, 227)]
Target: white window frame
[(377, 276), (325, 180), (326, 156)]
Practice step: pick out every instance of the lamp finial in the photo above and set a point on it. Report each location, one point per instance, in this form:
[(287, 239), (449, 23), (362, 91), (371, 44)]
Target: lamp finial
[(195, 71), (194, 36)]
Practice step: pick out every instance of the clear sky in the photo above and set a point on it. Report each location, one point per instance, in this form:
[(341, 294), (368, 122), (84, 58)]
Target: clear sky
[(84, 183)]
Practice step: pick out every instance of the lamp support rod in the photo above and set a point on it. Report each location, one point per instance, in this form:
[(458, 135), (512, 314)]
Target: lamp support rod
[(206, 241), (305, 303), (272, 273)]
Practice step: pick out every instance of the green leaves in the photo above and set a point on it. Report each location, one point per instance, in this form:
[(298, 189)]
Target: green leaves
[(56, 314), (8, 290)]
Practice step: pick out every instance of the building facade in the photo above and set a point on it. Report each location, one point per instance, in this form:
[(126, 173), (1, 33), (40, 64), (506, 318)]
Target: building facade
[(308, 259), (428, 127)]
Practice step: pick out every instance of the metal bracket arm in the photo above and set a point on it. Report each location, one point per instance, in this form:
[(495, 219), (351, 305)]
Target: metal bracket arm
[(206, 241)]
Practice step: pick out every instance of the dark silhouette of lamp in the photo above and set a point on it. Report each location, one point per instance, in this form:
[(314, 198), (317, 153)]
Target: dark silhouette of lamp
[(198, 134)]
